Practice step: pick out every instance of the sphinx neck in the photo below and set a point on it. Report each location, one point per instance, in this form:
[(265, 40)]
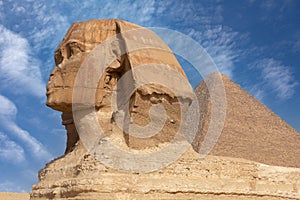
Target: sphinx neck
[(72, 135)]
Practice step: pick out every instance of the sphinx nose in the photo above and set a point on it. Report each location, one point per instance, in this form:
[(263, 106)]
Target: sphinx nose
[(49, 82), (47, 88), (52, 73)]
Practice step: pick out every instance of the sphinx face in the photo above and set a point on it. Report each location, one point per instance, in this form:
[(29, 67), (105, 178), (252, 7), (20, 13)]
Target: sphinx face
[(70, 54), (68, 57)]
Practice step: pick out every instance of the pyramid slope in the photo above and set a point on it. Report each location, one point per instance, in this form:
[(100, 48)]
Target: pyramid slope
[(251, 130)]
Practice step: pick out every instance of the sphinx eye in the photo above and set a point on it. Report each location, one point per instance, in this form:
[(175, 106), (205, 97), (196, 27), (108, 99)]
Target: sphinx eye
[(74, 48), (58, 57)]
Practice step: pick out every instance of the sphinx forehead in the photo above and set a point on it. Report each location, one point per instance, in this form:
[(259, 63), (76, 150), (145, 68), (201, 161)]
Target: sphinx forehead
[(88, 34), (95, 31)]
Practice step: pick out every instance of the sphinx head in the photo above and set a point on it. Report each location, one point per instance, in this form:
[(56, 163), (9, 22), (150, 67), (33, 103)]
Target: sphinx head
[(81, 38), (75, 48)]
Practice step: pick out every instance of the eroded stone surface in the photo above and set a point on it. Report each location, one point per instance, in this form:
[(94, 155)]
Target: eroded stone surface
[(79, 176)]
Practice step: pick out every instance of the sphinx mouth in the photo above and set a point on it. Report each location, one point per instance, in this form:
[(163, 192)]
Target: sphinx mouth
[(48, 91), (49, 88)]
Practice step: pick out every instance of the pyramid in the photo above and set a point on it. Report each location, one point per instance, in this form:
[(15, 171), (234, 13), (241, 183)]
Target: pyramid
[(251, 130)]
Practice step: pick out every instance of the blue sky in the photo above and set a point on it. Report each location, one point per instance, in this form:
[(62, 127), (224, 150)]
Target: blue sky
[(255, 42)]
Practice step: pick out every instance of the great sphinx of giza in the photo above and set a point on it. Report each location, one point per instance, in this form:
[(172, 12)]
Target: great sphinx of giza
[(179, 173)]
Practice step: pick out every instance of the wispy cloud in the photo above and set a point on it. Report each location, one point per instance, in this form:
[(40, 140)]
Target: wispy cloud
[(9, 150), (221, 44), (138, 11), (34, 146), (7, 108), (277, 77), (19, 71), (50, 24), (8, 113), (146, 8), (256, 91)]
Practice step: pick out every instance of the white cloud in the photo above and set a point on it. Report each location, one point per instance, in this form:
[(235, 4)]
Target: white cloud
[(136, 11), (7, 108), (220, 44), (257, 92), (31, 143), (278, 77), (50, 28), (19, 71), (18, 9), (9, 150), (7, 116)]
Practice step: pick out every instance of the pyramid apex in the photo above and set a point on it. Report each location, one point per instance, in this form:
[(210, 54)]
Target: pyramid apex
[(218, 74)]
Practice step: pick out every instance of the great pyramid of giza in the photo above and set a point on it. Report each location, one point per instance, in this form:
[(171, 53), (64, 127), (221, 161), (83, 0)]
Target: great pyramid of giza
[(251, 130)]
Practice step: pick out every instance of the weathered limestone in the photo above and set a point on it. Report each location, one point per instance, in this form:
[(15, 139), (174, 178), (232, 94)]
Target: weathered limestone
[(78, 175)]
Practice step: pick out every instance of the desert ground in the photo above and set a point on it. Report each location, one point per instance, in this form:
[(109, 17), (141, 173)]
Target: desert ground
[(13, 196)]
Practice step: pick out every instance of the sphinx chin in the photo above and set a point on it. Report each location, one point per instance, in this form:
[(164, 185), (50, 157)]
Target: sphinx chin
[(59, 106)]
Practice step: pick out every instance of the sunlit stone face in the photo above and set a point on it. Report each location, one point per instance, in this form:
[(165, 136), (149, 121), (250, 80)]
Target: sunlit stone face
[(60, 85), (69, 55)]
